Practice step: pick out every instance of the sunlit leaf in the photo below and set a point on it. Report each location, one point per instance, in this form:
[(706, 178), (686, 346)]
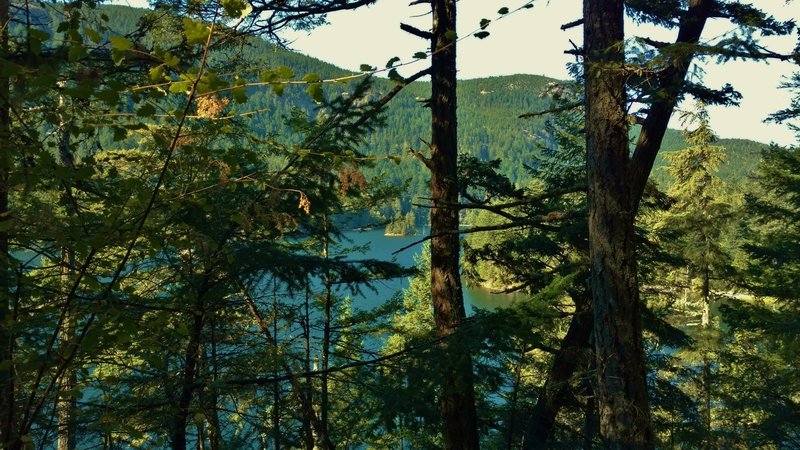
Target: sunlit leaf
[(195, 32), (157, 73), (315, 92), (120, 43), (312, 78), (93, 35)]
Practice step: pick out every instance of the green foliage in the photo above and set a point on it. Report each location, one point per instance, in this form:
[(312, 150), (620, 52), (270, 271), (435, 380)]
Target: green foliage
[(763, 345), (699, 211), (176, 233)]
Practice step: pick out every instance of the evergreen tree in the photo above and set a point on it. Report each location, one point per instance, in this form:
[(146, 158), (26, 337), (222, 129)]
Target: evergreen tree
[(758, 369), (696, 225), (457, 395)]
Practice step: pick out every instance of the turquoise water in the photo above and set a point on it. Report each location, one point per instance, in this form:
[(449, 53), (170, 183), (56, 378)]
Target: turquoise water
[(382, 247)]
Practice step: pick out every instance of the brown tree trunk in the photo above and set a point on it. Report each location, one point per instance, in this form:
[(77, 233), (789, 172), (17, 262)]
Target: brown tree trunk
[(706, 323), (276, 387), (187, 387), (324, 432), (66, 404), (457, 403), (621, 373), (590, 416), (8, 438), (212, 408), (305, 392), (556, 391)]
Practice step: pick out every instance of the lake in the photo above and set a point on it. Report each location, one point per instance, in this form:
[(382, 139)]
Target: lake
[(382, 247)]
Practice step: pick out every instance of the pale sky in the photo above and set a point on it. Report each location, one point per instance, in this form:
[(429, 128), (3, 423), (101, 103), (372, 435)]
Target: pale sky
[(531, 41)]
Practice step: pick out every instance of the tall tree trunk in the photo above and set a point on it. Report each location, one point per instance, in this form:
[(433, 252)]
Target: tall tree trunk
[(276, 387), (305, 393), (192, 357), (8, 438), (706, 294), (706, 323), (566, 362), (66, 404), (511, 427), (590, 415), (621, 373), (212, 408), (457, 402), (326, 338)]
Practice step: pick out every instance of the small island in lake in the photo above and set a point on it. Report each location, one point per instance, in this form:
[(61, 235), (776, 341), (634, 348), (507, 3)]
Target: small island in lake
[(402, 225)]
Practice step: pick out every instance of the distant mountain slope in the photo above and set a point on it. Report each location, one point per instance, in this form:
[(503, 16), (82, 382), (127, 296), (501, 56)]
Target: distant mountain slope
[(488, 110), (741, 160)]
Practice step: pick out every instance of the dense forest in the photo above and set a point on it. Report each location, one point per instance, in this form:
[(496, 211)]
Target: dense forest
[(179, 192)]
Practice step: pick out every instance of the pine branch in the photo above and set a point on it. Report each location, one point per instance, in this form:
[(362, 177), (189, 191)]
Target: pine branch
[(549, 218), (427, 35), (573, 24), (314, 373), (376, 107), (418, 154)]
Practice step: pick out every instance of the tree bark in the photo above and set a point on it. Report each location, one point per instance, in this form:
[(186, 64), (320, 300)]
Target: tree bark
[(187, 387), (621, 372), (66, 404), (8, 438), (276, 387), (457, 402), (671, 82), (324, 431), (556, 391), (212, 409), (706, 323)]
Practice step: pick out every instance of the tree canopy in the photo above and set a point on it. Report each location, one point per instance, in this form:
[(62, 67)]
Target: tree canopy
[(181, 198)]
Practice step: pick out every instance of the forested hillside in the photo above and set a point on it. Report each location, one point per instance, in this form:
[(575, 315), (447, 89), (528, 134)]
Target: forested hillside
[(489, 123), (179, 266)]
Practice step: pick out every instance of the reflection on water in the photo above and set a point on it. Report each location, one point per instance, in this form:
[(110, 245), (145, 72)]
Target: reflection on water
[(383, 247)]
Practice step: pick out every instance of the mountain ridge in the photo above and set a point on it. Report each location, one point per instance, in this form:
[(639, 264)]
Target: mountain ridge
[(489, 127)]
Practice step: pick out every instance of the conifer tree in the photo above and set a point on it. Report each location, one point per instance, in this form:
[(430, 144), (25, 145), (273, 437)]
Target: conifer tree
[(759, 363), (457, 401), (697, 222), (457, 395)]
